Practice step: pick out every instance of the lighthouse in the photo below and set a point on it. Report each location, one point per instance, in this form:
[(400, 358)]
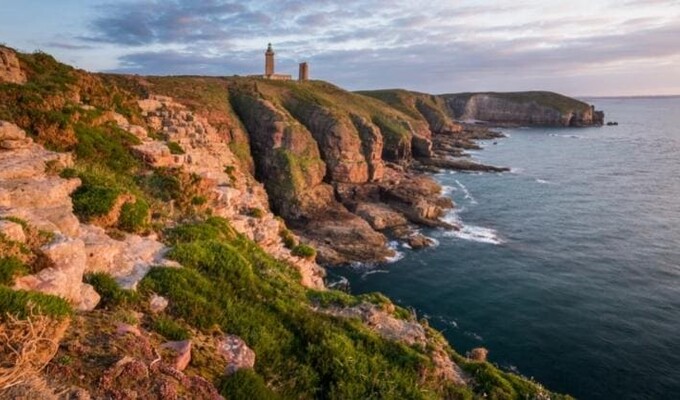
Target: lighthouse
[(269, 61)]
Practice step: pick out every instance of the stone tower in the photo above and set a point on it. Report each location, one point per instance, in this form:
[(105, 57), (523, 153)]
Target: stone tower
[(304, 72), (269, 61)]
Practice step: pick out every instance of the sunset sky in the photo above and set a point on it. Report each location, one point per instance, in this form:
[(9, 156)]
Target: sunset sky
[(574, 47)]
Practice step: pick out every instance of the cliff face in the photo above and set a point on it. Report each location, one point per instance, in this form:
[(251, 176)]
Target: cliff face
[(525, 109)]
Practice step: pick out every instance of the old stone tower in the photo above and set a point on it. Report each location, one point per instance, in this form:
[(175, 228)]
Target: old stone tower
[(304, 72), (269, 61)]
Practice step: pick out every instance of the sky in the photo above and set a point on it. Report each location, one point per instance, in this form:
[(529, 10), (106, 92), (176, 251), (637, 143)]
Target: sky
[(575, 47)]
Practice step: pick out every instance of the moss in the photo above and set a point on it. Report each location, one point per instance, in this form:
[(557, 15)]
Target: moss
[(10, 268), (134, 217), (112, 295), (304, 251), (175, 148), (22, 303)]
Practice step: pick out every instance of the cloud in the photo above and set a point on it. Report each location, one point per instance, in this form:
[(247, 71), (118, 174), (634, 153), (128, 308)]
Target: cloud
[(378, 43)]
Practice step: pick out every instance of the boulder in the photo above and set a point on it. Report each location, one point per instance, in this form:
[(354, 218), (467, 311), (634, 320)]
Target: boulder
[(478, 354), (182, 350), (236, 353), (379, 215), (158, 304), (64, 274), (10, 131), (10, 68), (12, 231), (419, 241)]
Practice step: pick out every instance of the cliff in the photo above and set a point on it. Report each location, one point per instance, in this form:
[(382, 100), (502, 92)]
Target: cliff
[(494, 109), (160, 237), (523, 108)]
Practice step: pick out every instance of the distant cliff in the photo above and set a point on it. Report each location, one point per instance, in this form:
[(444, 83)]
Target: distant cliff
[(498, 109), (522, 108)]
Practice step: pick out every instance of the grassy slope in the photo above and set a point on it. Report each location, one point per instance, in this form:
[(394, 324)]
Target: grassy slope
[(228, 284), (404, 100)]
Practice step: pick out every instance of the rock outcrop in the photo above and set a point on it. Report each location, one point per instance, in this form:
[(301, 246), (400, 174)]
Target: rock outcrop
[(235, 192), (10, 69), (28, 191)]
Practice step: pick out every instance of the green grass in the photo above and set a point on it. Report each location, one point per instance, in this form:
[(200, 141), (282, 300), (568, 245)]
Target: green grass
[(134, 217), (304, 251), (112, 295), (90, 201), (169, 328), (10, 268), (245, 384), (21, 304), (175, 148), (231, 284)]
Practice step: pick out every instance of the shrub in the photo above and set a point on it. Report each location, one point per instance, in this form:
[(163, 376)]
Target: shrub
[(255, 212), (112, 295), (287, 238), (198, 200), (10, 268), (93, 201), (302, 250), (21, 303), (175, 148), (134, 217), (68, 173)]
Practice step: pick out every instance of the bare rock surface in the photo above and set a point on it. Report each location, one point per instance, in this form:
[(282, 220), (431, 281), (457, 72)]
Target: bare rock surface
[(29, 192), (10, 69)]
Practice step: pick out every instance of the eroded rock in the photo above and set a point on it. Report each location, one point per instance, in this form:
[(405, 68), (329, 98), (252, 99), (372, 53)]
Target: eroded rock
[(10, 69), (236, 353)]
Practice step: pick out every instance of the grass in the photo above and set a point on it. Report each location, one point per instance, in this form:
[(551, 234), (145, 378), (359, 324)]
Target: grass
[(175, 148), (304, 251), (112, 295), (169, 328), (90, 201), (10, 268), (134, 217), (228, 283), (22, 303)]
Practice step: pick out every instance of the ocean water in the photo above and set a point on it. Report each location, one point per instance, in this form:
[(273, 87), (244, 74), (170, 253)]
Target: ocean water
[(567, 268)]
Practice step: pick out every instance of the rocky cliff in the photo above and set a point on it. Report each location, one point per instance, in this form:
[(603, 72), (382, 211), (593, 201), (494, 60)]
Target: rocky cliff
[(160, 237), (493, 109)]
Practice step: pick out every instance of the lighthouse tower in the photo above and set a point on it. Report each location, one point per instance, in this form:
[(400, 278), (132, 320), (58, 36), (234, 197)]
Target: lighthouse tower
[(269, 62)]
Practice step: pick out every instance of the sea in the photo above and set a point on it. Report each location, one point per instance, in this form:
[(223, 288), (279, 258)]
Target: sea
[(567, 268)]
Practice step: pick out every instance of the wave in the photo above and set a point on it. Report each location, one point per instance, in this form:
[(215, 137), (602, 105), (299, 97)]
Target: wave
[(374, 271), (571, 136), (341, 282), (466, 192), (544, 182), (471, 232), (478, 234), (398, 255), (473, 335)]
